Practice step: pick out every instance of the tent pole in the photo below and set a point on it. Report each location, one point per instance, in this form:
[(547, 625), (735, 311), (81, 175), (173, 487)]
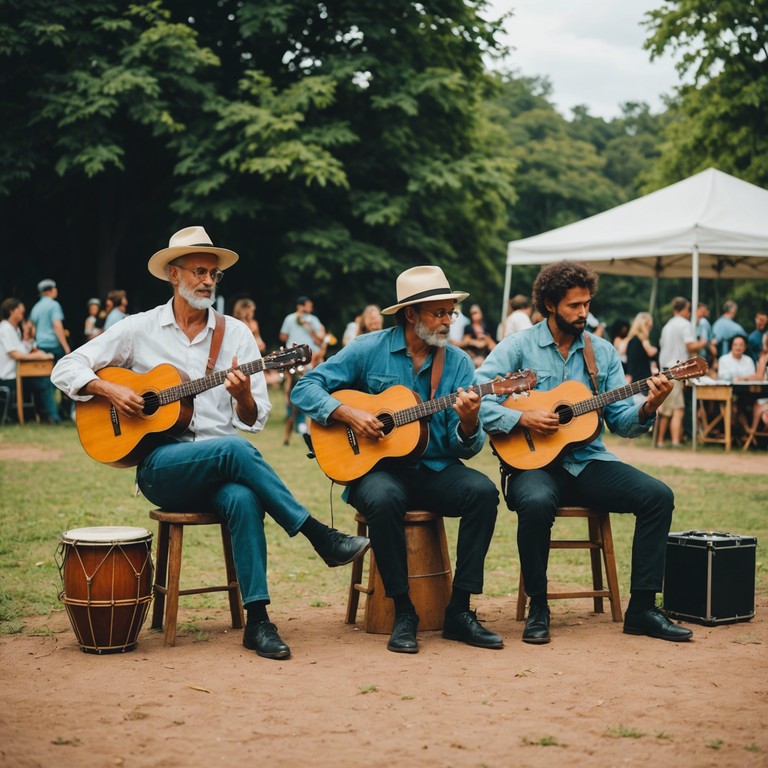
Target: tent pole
[(654, 294), (694, 308), (505, 301)]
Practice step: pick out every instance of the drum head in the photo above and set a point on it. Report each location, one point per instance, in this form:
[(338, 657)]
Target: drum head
[(105, 534)]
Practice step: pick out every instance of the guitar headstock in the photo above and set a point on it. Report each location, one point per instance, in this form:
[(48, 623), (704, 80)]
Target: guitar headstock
[(283, 359), (689, 369), (514, 383)]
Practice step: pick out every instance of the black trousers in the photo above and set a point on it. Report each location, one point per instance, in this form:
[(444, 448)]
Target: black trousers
[(384, 496), (610, 486)]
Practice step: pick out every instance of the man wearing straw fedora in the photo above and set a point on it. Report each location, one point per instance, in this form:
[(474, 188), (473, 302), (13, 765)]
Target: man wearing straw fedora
[(209, 466), (416, 353)]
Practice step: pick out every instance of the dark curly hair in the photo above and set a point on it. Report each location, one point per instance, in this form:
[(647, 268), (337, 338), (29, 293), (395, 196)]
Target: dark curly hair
[(555, 281)]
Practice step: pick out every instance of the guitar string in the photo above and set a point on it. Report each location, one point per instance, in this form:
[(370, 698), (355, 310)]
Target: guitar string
[(598, 401), (427, 408)]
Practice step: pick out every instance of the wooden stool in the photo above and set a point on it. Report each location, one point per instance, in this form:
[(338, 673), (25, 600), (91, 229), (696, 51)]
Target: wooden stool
[(600, 539), (170, 535), (429, 576)]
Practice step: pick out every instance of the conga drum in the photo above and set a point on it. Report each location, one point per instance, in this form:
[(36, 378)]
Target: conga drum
[(106, 575)]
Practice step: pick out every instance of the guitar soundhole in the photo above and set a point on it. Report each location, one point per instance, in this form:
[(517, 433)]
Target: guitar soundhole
[(387, 420), (151, 403), (564, 413)]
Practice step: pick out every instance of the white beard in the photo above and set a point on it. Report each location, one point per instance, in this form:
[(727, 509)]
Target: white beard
[(433, 338), (197, 302)]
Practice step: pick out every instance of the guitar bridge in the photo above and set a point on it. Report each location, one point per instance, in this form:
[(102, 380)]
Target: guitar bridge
[(115, 419), (529, 440), (352, 438)]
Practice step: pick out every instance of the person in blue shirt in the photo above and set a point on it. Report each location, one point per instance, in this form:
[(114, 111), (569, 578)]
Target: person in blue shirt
[(726, 327), (48, 319), (589, 475), (755, 339), (412, 354)]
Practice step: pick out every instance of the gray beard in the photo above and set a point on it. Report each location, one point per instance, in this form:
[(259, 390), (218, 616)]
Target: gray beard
[(433, 338), (197, 302)]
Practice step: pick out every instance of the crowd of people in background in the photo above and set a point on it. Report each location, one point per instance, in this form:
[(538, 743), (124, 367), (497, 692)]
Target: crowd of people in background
[(732, 352)]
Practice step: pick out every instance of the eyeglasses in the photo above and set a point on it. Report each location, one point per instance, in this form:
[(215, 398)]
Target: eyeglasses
[(201, 272), (441, 314)]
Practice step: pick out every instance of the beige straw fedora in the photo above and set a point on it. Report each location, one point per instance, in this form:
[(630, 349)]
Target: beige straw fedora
[(189, 240), (419, 284)]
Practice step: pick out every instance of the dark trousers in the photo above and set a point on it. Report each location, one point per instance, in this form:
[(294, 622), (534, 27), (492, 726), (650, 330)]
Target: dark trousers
[(604, 485), (384, 496)]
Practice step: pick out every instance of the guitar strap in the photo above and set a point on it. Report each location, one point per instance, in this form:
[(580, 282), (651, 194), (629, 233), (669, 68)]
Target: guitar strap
[(438, 361), (218, 337), (589, 359)]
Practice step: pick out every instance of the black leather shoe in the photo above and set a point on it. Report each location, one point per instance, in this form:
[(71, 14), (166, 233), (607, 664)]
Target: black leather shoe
[(403, 637), (537, 625), (263, 639), (467, 629), (339, 549), (655, 623)]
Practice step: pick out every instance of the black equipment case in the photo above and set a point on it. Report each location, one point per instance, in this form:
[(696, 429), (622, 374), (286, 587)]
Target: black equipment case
[(710, 577)]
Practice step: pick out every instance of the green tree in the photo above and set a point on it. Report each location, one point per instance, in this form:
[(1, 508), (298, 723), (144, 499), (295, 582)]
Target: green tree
[(561, 177), (720, 117), (331, 144)]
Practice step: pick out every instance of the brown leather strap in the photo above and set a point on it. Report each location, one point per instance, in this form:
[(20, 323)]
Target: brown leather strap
[(438, 361), (218, 337), (589, 359)]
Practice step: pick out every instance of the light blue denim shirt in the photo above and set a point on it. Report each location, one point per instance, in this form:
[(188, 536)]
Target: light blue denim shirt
[(376, 361), (536, 349)]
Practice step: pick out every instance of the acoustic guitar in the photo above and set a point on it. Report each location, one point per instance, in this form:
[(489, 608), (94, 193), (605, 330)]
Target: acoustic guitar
[(576, 409), (345, 456), (123, 441)]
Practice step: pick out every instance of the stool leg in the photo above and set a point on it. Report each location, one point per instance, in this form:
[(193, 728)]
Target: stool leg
[(174, 574), (611, 573), (235, 605), (521, 599), (594, 556), (161, 575), (355, 579)]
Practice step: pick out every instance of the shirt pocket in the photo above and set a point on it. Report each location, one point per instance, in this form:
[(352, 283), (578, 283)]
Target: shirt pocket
[(546, 378), (378, 382)]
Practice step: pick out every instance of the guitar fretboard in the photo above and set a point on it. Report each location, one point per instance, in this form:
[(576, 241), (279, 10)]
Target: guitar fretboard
[(428, 407), (196, 386), (606, 398)]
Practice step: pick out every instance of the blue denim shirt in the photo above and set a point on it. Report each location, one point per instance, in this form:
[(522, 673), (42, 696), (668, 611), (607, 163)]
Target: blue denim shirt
[(536, 349), (376, 361)]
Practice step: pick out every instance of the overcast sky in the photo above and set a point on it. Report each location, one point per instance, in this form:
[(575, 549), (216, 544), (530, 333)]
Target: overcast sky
[(590, 50)]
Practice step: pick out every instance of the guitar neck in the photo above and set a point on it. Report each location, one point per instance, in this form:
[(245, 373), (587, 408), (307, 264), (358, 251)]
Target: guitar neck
[(428, 407), (614, 395), (196, 386)]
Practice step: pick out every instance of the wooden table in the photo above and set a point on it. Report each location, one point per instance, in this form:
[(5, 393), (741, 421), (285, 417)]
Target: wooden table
[(723, 394), (26, 368)]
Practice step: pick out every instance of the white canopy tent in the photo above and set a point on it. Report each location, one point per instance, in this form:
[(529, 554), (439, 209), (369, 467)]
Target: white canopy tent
[(710, 225)]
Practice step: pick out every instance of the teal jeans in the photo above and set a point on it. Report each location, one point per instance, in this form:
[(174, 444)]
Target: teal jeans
[(230, 477)]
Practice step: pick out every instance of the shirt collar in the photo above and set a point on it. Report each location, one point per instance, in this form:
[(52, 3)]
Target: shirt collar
[(167, 317), (547, 340)]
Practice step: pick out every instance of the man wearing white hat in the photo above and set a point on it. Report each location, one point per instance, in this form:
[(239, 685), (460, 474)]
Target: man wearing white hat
[(416, 353), (208, 466)]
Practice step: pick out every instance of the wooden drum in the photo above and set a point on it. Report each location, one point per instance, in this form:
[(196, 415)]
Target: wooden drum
[(106, 574)]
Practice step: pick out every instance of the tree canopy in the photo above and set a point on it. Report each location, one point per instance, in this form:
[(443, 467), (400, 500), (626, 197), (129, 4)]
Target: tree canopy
[(720, 115)]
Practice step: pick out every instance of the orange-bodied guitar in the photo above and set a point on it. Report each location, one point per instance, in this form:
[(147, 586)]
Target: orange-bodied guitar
[(344, 456), (123, 441), (576, 409)]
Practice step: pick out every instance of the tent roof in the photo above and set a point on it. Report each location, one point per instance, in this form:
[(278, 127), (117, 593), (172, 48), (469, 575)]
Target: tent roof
[(655, 235)]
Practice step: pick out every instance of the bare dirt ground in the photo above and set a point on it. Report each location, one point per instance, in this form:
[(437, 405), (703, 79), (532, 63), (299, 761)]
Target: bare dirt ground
[(594, 696)]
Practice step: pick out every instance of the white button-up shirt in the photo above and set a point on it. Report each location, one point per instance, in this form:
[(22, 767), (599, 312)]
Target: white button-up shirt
[(145, 340)]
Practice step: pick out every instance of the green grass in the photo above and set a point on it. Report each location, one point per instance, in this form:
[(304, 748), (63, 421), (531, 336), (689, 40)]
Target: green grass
[(48, 485)]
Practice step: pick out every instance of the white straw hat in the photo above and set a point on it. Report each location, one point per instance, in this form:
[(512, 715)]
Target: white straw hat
[(189, 240), (417, 284)]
